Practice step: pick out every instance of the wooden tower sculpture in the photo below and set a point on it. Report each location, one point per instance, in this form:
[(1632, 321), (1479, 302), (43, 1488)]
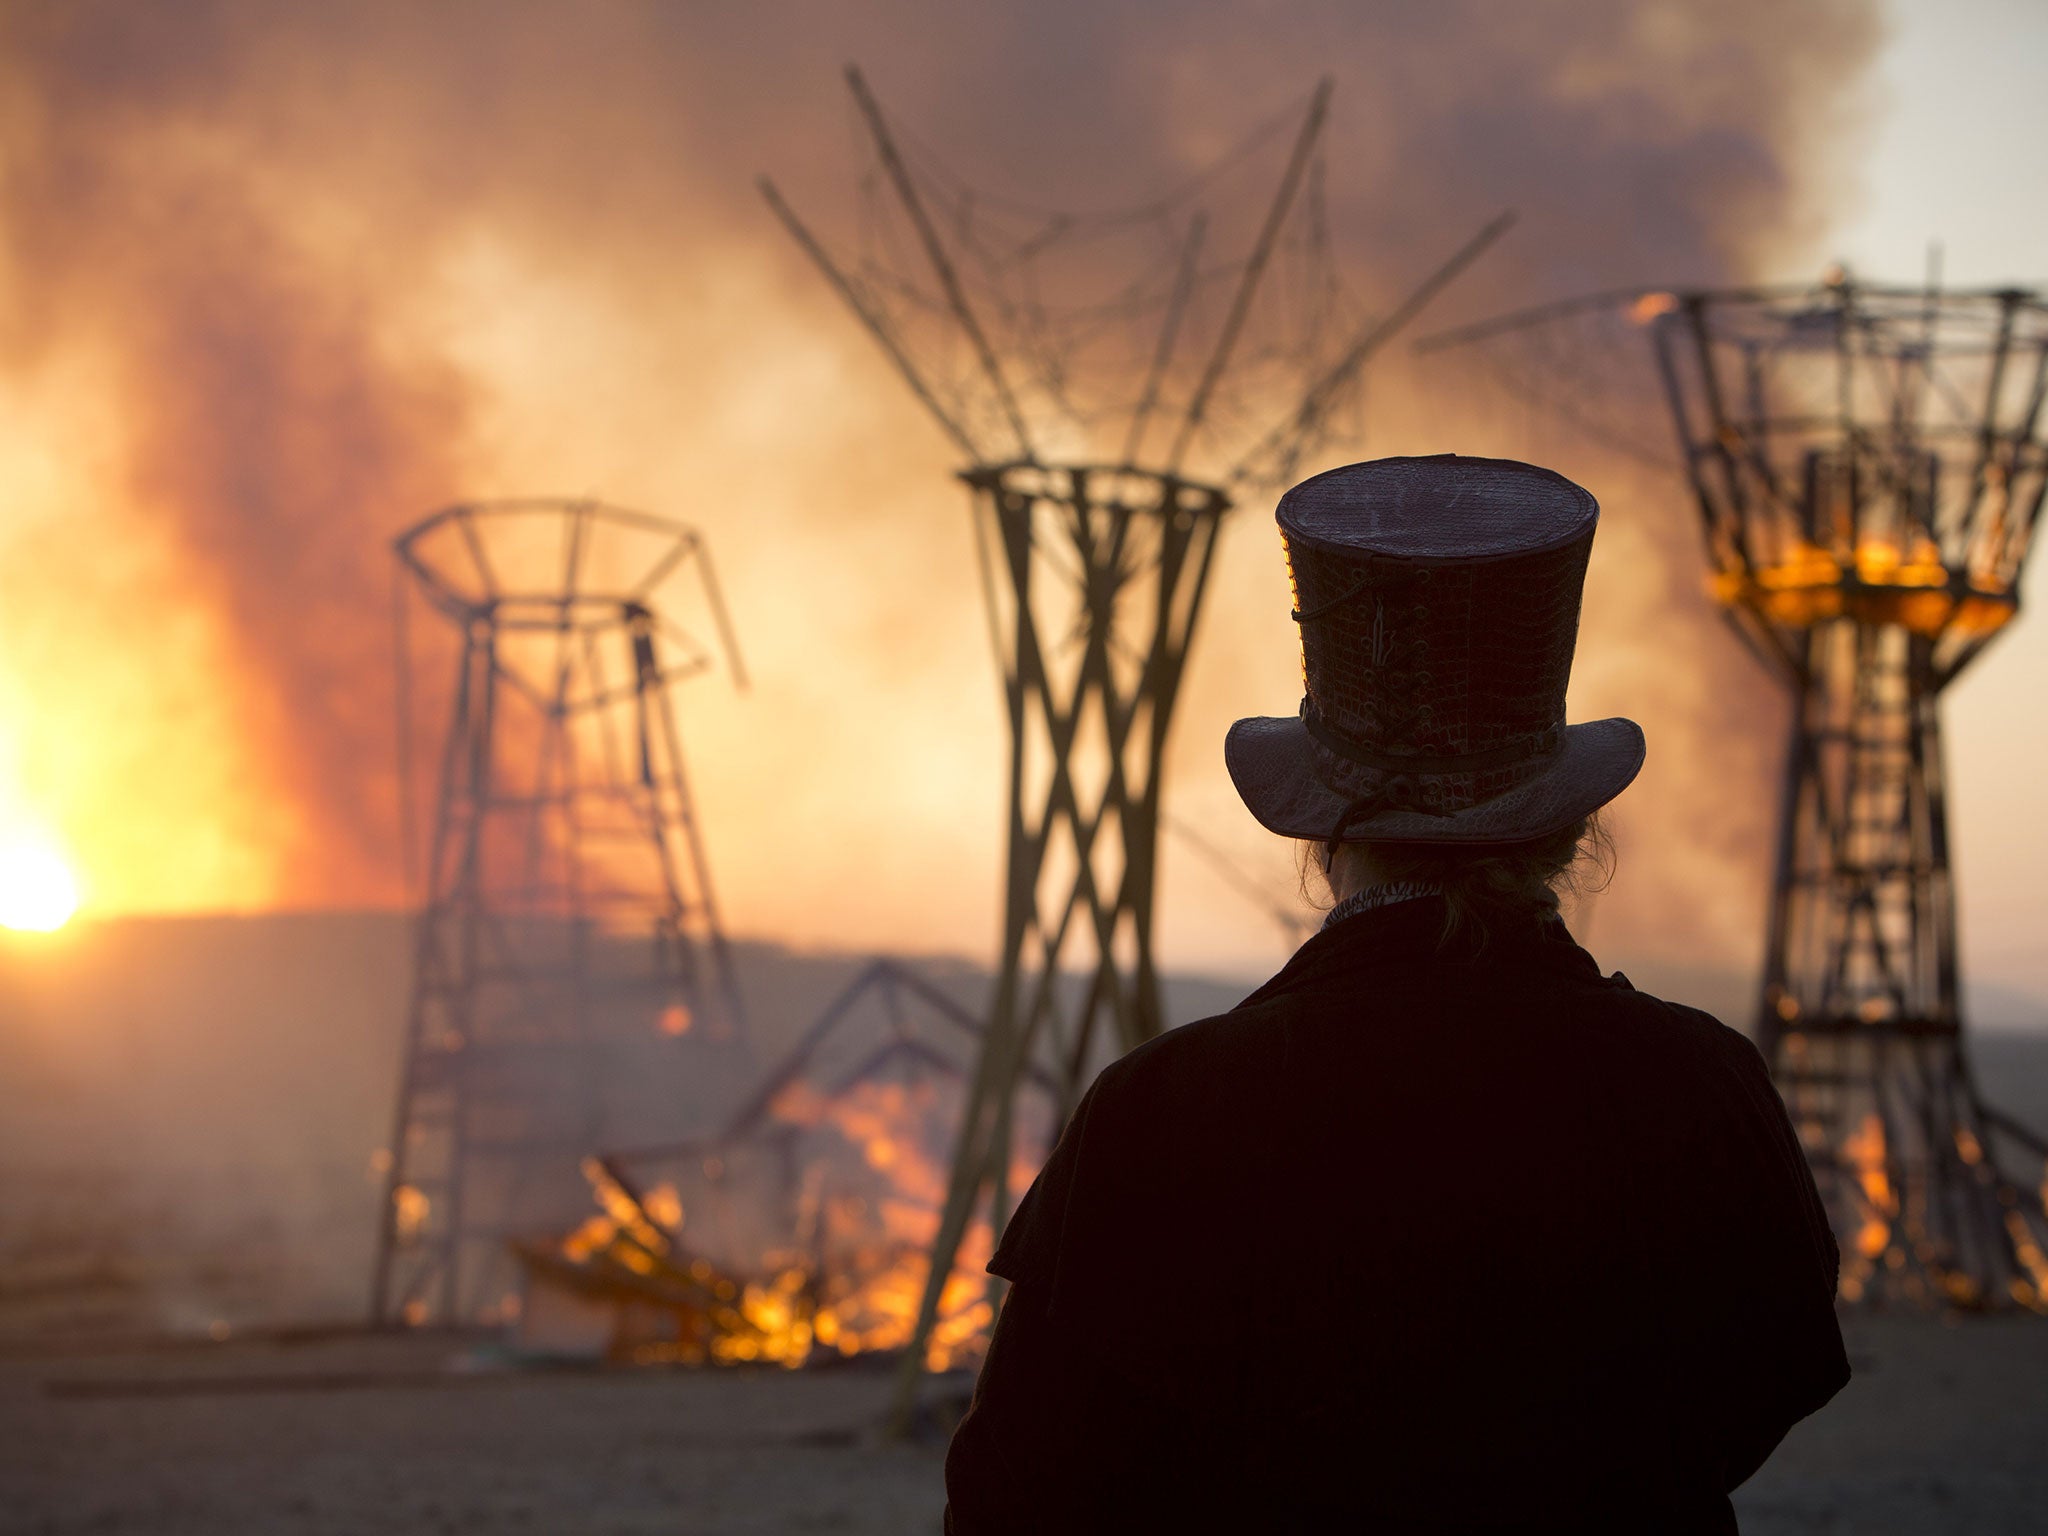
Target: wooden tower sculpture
[(1868, 465), (1103, 440), (568, 916)]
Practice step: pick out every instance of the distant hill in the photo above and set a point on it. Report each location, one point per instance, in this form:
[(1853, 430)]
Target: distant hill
[(191, 1105)]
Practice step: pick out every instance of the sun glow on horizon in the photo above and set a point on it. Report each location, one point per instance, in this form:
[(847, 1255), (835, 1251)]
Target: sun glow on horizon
[(37, 891)]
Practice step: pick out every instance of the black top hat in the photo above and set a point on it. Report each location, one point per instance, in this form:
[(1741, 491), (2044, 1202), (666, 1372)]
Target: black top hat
[(1438, 600)]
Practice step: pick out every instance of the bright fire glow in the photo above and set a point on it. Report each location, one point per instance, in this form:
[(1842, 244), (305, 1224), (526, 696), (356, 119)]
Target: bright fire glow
[(37, 893), (1810, 585), (856, 1291), (1866, 1154)]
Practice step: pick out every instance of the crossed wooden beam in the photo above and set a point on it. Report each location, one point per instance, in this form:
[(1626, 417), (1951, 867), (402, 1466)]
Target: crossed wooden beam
[(1168, 539)]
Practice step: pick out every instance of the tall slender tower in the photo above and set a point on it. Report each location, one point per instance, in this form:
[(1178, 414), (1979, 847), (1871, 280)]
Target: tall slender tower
[(568, 934), (1104, 434), (1869, 467)]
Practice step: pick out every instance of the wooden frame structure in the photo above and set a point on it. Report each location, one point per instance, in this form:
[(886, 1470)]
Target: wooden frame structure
[(1869, 466), (568, 906), (1095, 574)]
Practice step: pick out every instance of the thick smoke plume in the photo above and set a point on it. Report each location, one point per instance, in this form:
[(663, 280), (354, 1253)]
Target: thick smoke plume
[(274, 281)]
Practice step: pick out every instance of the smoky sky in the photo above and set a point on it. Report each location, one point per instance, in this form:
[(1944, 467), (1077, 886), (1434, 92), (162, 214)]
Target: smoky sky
[(262, 226)]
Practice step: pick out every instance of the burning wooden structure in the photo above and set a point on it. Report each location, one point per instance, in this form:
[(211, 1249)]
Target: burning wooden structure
[(803, 1227), (1104, 434), (1869, 466), (568, 913)]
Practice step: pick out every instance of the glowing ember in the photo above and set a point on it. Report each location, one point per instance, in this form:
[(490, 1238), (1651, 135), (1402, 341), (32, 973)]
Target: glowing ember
[(1651, 306), (1968, 1147), (1864, 1153), (2032, 1292), (411, 1208)]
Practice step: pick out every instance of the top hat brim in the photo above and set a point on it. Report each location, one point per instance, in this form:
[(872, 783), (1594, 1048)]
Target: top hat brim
[(1271, 760)]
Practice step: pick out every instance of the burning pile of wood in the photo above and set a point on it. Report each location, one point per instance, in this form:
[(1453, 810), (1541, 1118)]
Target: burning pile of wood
[(625, 1286), (807, 1223)]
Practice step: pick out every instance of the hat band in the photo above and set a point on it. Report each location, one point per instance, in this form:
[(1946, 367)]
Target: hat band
[(1529, 750)]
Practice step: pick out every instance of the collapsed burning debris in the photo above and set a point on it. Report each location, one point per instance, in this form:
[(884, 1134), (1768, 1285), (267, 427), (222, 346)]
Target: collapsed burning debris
[(802, 1230)]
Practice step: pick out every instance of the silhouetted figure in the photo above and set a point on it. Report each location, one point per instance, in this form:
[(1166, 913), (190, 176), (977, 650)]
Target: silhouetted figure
[(1440, 1229)]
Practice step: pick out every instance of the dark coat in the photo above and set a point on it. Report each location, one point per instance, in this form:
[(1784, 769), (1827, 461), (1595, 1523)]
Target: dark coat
[(1408, 1242)]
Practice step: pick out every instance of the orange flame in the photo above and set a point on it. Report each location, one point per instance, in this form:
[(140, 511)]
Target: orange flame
[(858, 1293), (1879, 584), (1652, 306), (1865, 1152)]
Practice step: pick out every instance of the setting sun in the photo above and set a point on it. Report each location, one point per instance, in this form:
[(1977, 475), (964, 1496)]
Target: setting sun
[(37, 893)]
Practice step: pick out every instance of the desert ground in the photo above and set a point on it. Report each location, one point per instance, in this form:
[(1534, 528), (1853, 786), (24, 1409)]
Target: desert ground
[(1942, 1431)]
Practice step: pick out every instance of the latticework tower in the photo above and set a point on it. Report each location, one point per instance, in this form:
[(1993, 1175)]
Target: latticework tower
[(1869, 466), (568, 933), (1111, 381)]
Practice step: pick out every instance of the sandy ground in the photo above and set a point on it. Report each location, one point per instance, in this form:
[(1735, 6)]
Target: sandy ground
[(1945, 1430)]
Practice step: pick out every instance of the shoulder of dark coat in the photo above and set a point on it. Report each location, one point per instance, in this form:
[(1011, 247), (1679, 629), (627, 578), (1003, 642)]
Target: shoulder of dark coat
[(1231, 1053), (1250, 1029), (1160, 1108), (1656, 1022)]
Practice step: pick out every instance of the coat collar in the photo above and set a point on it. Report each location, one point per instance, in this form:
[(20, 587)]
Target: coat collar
[(1409, 934), (1377, 896)]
